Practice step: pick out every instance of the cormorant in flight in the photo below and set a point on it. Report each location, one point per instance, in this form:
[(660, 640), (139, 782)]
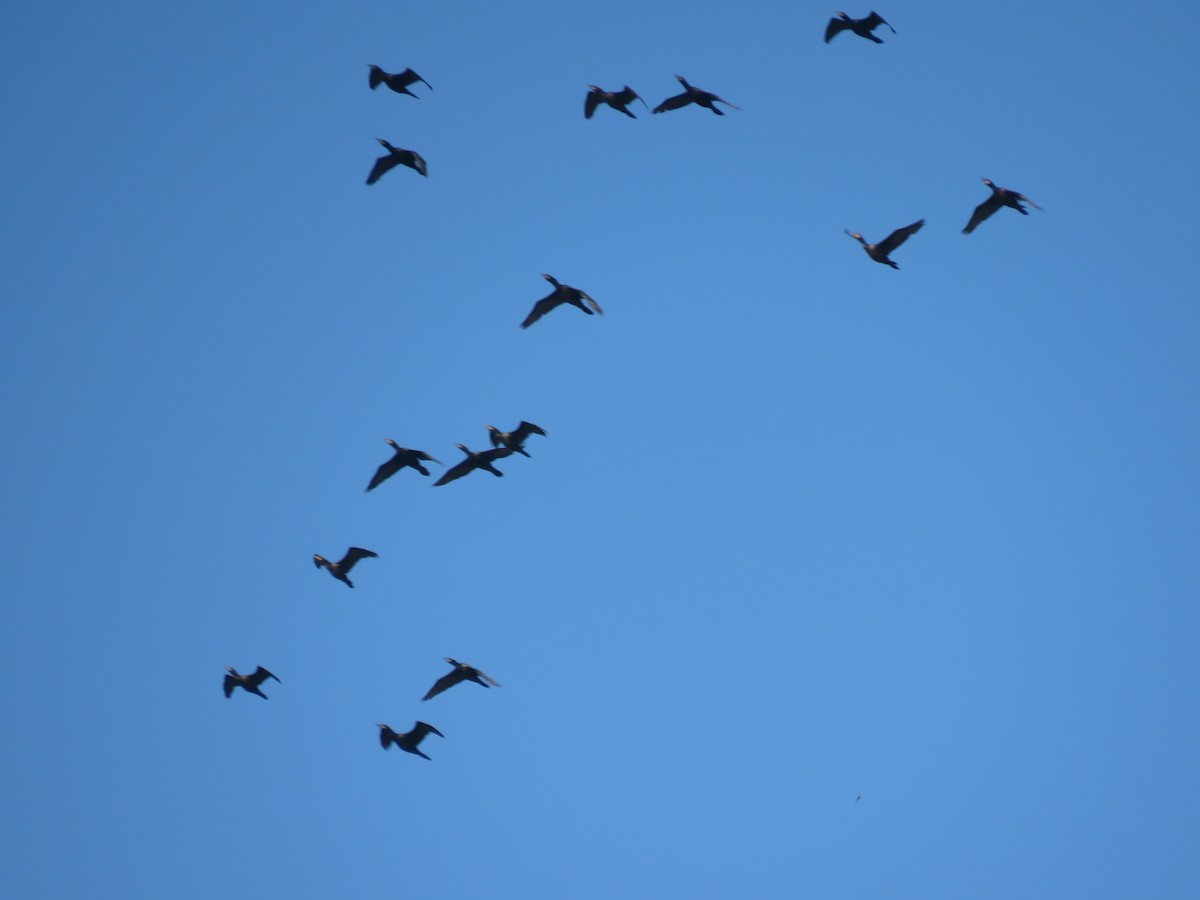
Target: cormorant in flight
[(879, 252), (407, 740), (249, 683), (342, 567), (460, 672)]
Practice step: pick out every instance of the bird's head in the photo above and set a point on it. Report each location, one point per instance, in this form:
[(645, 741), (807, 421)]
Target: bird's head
[(853, 234), (551, 279), (391, 443), (594, 89), (682, 80), (319, 560), (453, 662), (988, 182)]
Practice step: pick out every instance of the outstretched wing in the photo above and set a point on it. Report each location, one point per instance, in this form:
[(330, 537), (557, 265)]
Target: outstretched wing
[(408, 77), (382, 166), (1030, 202), (421, 729), (230, 684), (260, 675), (982, 212), (590, 102), (414, 160), (375, 78), (489, 679), (540, 308), (455, 472), (628, 96), (524, 430), (592, 303), (834, 28), (899, 236), (386, 471), (874, 20), (353, 555), (447, 681), (676, 102)]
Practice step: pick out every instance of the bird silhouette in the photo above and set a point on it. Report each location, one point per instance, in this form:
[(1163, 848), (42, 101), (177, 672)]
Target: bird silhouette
[(514, 440), (481, 460), (692, 95), (398, 82), (618, 100), (879, 252), (406, 740), (861, 27), (396, 157), (402, 458), (461, 672), (342, 567), (248, 683), (1000, 197), (562, 293)]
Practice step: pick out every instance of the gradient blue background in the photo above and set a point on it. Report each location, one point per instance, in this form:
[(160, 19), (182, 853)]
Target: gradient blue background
[(803, 528)]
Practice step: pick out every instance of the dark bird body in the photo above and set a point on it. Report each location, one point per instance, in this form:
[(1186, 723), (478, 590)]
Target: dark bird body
[(342, 567), (618, 100), (481, 460), (396, 157), (249, 683), (398, 82), (861, 27), (879, 252), (1000, 197), (562, 293), (514, 440), (461, 672), (692, 95), (407, 740), (402, 458)]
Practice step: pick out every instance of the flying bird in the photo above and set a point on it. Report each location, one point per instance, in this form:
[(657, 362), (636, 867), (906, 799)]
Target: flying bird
[(481, 460), (402, 458), (461, 672), (342, 567), (879, 252), (407, 740), (692, 95), (562, 293), (1000, 197), (514, 440), (618, 100), (396, 157), (248, 683), (861, 27), (398, 82)]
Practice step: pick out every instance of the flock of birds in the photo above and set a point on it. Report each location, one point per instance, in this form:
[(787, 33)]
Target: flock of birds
[(505, 444)]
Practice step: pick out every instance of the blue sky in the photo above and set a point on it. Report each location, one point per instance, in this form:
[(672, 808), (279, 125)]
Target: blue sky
[(803, 527)]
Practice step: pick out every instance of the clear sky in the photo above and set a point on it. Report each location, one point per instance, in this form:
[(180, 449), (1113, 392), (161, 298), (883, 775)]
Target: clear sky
[(803, 527)]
